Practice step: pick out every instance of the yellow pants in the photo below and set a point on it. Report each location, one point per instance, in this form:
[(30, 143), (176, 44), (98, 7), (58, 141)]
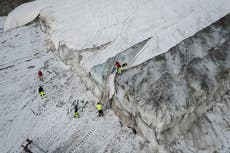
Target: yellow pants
[(119, 70), (42, 94), (76, 114)]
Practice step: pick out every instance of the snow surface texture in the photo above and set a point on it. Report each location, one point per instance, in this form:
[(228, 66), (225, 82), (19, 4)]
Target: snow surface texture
[(180, 100), (49, 122), (119, 24)]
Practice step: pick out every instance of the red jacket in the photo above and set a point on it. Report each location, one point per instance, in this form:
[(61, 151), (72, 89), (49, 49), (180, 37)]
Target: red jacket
[(117, 64), (40, 73)]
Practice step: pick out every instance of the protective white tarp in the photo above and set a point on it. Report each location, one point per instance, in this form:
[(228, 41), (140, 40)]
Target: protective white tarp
[(85, 24)]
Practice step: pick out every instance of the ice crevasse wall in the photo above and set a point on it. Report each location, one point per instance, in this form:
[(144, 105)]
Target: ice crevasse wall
[(175, 88)]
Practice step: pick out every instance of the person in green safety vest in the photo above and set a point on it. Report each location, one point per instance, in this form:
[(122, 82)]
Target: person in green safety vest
[(100, 109), (76, 114), (42, 92), (119, 70)]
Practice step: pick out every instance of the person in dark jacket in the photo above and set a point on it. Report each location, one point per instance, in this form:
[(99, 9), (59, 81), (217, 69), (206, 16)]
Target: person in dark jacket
[(42, 92), (76, 114), (26, 148)]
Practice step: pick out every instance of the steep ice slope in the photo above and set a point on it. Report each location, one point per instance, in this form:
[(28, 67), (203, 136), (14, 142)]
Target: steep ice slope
[(49, 122), (119, 24), (180, 99)]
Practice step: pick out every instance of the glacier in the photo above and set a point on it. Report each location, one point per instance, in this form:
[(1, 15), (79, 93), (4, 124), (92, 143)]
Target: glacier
[(174, 89)]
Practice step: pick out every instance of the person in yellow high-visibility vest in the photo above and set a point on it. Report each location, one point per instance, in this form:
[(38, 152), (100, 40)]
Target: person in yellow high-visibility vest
[(42, 92), (76, 114), (100, 109), (118, 67), (119, 70)]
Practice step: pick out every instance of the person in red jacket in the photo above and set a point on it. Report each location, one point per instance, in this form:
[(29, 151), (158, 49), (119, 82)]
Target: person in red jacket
[(117, 64), (118, 67), (40, 76)]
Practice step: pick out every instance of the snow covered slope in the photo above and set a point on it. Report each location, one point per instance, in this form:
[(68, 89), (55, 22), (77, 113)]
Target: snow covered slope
[(49, 122), (119, 24)]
